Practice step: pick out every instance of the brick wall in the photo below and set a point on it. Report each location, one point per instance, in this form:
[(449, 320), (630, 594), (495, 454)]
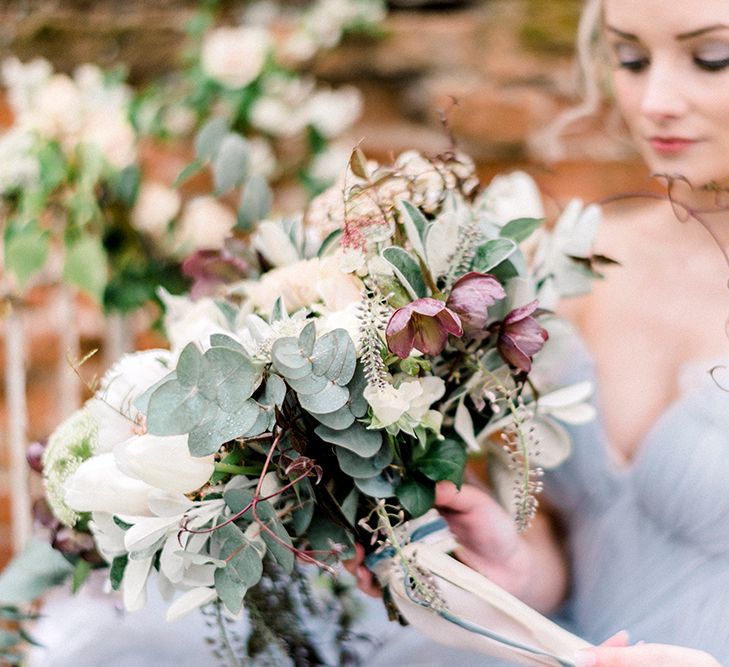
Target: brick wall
[(507, 63)]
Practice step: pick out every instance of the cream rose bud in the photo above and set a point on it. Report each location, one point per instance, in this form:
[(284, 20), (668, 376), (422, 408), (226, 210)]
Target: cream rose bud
[(204, 225), (163, 462), (99, 486), (235, 56), (156, 206)]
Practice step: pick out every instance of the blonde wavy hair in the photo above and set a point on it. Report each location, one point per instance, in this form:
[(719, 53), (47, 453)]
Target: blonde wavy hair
[(592, 83)]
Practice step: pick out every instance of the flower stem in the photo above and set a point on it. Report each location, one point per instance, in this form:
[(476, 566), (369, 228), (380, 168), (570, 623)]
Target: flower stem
[(237, 470), (234, 662)]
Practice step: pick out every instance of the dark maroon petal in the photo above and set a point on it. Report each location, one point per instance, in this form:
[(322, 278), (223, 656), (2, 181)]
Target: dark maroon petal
[(521, 312), (427, 306), (430, 336), (512, 354), (400, 332), (528, 335), (450, 322), (471, 297)]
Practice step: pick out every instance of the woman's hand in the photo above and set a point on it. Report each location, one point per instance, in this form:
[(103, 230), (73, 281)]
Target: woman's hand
[(529, 565), (365, 579), (644, 655)]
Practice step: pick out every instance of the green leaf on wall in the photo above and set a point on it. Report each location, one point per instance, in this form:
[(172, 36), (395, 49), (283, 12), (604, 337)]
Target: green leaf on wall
[(86, 266)]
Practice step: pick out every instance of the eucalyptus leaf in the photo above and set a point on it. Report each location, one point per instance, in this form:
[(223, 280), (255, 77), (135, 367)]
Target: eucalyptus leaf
[(416, 496), (492, 253), (244, 566), (339, 420), (175, 409), (309, 384), (383, 485), (407, 270), (189, 366), (209, 138), (330, 399), (358, 439), (230, 164), (307, 338), (324, 353), (289, 360), (233, 377), (255, 202), (350, 505), (275, 391), (142, 402), (188, 172), (221, 427), (358, 403), (358, 466), (221, 340), (281, 546)]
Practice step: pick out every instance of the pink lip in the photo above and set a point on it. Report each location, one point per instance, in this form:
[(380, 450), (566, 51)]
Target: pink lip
[(671, 145)]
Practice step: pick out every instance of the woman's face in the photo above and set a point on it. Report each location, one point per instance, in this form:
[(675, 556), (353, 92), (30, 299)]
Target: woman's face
[(671, 79)]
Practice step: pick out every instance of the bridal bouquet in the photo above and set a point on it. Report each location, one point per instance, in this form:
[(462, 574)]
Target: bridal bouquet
[(394, 327)]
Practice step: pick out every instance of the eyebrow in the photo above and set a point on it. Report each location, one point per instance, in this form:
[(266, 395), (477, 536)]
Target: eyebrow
[(680, 37)]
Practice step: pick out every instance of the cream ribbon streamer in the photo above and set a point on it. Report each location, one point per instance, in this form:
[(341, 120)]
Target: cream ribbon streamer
[(474, 613)]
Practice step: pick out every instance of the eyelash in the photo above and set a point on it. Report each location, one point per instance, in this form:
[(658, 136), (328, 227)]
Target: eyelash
[(712, 65), (637, 66)]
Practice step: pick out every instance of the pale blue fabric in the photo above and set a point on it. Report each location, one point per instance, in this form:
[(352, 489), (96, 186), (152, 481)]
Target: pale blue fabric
[(649, 543)]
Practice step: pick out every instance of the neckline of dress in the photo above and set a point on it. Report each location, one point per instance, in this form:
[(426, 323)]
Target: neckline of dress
[(627, 467)]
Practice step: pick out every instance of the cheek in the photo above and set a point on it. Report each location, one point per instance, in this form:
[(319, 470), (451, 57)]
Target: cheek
[(628, 95)]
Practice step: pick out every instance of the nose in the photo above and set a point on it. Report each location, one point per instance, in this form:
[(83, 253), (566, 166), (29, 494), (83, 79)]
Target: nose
[(663, 98)]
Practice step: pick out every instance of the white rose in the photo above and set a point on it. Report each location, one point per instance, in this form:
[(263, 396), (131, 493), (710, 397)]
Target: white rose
[(273, 116), (328, 165), (58, 108), (109, 129), (189, 321), (332, 112), (204, 225), (509, 197), (235, 56), (18, 166), (274, 244), (155, 207)]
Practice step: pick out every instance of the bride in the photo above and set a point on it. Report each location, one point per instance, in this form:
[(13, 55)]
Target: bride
[(644, 495)]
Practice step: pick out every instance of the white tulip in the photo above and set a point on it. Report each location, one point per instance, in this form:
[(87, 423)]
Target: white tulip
[(163, 462), (99, 486)]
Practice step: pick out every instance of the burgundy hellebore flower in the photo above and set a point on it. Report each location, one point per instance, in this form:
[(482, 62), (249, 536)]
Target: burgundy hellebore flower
[(470, 298), (521, 337), (424, 325)]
